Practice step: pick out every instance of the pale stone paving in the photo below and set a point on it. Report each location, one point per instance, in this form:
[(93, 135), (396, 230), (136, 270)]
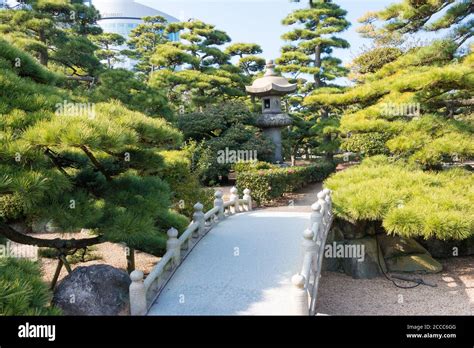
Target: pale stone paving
[(243, 266)]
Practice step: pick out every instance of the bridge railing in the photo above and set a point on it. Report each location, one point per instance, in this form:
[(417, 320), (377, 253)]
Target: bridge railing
[(143, 292), (306, 282)]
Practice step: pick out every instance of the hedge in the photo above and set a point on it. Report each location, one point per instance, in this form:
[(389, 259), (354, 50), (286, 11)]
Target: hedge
[(269, 184)]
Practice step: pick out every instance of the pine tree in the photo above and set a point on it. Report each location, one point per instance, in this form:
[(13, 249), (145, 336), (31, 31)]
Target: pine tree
[(309, 53), (434, 80), (143, 41), (206, 73), (109, 51), (79, 164), (311, 45), (410, 114), (409, 17), (56, 33), (132, 91), (249, 62)]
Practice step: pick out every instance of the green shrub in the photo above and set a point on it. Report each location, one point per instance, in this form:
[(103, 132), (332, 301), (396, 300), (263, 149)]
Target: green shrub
[(343, 158), (11, 207), (205, 154), (268, 184), (185, 186), (79, 256), (173, 219), (368, 144), (253, 165), (408, 201), (22, 291)]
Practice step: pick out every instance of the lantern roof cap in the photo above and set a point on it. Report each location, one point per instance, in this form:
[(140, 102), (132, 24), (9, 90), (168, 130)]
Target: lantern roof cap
[(271, 83)]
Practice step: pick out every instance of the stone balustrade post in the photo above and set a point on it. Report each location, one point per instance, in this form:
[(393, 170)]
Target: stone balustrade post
[(173, 245), (137, 293), (198, 217), (308, 243), (324, 207), (234, 198), (328, 199), (248, 199), (300, 295), (219, 202), (316, 217)]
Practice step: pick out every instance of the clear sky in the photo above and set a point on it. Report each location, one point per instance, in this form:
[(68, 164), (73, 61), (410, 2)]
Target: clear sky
[(259, 21)]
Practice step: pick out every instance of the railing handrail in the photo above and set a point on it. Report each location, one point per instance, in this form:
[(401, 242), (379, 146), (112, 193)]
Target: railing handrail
[(314, 240), (158, 269), (140, 288)]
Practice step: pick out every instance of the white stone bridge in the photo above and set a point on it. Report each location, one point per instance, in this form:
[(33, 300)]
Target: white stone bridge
[(234, 260)]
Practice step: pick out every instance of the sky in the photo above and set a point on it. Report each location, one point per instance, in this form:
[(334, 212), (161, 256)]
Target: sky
[(259, 21)]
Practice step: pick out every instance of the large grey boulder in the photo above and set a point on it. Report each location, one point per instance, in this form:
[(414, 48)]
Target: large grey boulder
[(392, 246), (396, 254), (418, 263), (94, 290), (407, 255), (449, 248), (333, 264), (368, 266)]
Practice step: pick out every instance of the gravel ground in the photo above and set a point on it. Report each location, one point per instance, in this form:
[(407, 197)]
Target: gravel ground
[(339, 294)]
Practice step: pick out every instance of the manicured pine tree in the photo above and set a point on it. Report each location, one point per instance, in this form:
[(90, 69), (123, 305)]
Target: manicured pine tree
[(308, 58), (109, 51), (56, 33), (410, 17), (79, 165), (144, 39), (417, 104), (249, 62), (205, 74)]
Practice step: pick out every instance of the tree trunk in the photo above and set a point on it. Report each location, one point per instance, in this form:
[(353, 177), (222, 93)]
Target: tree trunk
[(317, 64), (43, 55), (130, 260)]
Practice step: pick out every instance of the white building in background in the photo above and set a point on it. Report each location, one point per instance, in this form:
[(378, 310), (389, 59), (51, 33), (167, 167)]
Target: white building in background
[(122, 16)]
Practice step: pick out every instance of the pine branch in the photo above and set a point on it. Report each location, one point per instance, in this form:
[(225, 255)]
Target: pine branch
[(61, 244), (96, 163), (55, 161)]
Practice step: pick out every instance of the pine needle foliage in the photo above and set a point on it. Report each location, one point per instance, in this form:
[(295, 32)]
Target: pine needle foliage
[(22, 291), (98, 168), (410, 202)]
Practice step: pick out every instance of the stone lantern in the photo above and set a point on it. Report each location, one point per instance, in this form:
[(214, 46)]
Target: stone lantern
[(270, 88)]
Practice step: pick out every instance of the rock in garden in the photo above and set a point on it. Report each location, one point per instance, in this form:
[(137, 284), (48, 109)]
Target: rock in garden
[(449, 248), (422, 263), (94, 290), (366, 267), (356, 230), (392, 246), (332, 264)]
